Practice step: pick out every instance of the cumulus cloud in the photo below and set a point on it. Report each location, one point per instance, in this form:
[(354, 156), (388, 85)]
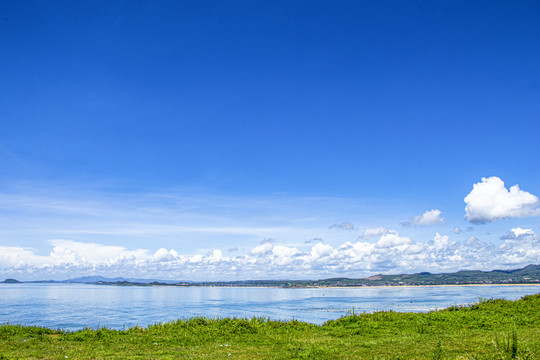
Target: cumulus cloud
[(320, 251), (430, 217), (16, 257), (519, 233), (489, 200), (283, 255), (391, 252), (347, 226), (262, 249), (74, 251), (524, 247), (215, 256), (472, 240), (392, 240), (163, 255), (458, 230), (373, 232)]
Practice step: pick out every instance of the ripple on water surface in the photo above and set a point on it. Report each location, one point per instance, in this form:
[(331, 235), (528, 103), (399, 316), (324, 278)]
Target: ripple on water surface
[(75, 306)]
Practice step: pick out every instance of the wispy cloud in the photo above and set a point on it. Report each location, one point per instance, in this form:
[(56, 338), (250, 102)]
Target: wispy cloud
[(458, 230), (373, 232), (347, 226), (166, 218)]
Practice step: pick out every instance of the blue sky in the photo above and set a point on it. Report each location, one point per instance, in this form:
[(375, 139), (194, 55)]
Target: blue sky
[(226, 140)]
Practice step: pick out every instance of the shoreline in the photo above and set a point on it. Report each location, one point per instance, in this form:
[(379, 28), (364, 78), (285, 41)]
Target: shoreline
[(389, 334), (341, 287), (275, 287), (415, 286)]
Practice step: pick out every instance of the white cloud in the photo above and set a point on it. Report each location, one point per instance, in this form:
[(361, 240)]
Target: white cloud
[(262, 249), (489, 200), (440, 241), (390, 253), (15, 257), (458, 230), (392, 239), (74, 251), (373, 232), (163, 255), (519, 233), (196, 259), (347, 226), (174, 217), (216, 256), (430, 217), (320, 251), (525, 247), (472, 240), (283, 255)]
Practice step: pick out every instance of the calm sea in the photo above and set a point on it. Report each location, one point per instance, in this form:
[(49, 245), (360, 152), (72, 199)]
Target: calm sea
[(75, 306)]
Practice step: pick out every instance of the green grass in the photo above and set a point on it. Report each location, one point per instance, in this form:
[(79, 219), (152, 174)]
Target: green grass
[(489, 329)]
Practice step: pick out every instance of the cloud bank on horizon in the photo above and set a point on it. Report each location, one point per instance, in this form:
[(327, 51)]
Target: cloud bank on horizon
[(376, 250)]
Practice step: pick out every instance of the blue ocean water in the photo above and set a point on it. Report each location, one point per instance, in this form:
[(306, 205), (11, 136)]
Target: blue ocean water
[(75, 306)]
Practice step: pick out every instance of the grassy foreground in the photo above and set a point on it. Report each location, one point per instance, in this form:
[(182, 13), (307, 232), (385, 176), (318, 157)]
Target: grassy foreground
[(489, 329)]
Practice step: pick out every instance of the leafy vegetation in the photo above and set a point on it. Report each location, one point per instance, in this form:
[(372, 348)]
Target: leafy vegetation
[(488, 329)]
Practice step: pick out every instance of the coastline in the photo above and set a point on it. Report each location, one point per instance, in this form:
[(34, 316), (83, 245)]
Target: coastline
[(465, 334), (80, 305), (275, 287), (343, 287), (416, 286)]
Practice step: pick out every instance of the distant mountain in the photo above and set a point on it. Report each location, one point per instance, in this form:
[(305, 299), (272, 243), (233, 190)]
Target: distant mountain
[(11, 281), (101, 279), (528, 275), (91, 280)]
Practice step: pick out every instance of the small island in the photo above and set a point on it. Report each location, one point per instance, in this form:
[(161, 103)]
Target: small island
[(11, 281)]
